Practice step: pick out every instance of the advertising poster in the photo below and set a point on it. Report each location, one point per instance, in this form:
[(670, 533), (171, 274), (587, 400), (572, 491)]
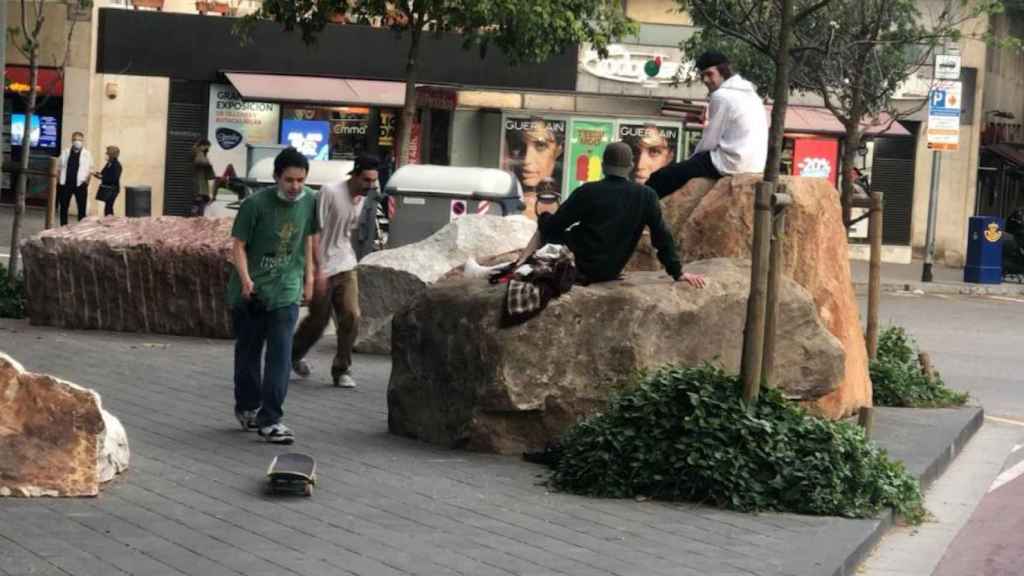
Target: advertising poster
[(816, 158), (533, 150), (42, 132), (654, 147), (587, 141), (310, 137), (234, 123)]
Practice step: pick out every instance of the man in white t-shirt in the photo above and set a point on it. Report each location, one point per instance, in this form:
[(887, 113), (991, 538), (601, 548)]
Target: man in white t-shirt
[(735, 140), (340, 205)]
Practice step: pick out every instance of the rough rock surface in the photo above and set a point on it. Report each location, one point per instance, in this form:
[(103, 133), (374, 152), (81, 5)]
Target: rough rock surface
[(391, 279), (55, 437), (165, 275), (459, 380), (719, 224)]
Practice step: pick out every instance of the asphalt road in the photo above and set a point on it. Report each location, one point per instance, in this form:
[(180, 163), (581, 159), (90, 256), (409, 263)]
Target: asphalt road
[(978, 505), (977, 343)]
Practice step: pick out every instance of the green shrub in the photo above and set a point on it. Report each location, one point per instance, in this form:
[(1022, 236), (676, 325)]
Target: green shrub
[(12, 296), (686, 434), (898, 379)]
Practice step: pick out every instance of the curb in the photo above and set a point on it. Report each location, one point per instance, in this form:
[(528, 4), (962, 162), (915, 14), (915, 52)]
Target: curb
[(1004, 289), (932, 472)]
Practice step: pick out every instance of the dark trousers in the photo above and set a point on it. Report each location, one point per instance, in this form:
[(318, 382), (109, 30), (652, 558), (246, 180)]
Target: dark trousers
[(64, 194), (262, 382), (676, 175), (342, 298), (108, 206)]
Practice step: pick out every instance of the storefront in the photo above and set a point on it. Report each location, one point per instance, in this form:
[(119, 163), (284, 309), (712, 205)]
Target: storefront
[(44, 128)]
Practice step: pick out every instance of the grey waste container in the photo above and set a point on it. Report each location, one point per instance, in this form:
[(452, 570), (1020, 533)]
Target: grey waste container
[(427, 197), (137, 201)]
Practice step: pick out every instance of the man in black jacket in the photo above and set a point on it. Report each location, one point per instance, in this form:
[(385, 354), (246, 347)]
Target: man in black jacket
[(602, 223)]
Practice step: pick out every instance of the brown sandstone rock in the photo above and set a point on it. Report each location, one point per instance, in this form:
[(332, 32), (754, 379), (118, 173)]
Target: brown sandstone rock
[(458, 380), (55, 437), (817, 258), (164, 275)]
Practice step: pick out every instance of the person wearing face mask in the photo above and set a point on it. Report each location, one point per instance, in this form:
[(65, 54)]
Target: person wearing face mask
[(274, 270), (339, 208), (110, 180), (736, 138), (75, 168)]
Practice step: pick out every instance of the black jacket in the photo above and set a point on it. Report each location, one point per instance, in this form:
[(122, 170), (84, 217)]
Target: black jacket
[(610, 216), (111, 174)]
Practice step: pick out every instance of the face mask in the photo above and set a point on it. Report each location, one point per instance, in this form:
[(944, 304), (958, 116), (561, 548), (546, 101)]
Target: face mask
[(285, 197), (77, 144)]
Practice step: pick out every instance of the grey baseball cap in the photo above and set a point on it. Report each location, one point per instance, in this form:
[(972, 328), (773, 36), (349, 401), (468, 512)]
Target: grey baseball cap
[(618, 160)]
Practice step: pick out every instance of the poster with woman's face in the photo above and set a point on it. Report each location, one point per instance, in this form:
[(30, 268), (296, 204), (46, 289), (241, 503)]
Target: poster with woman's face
[(533, 152), (654, 147)]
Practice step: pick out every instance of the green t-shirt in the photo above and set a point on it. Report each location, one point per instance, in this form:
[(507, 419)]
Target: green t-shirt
[(274, 232)]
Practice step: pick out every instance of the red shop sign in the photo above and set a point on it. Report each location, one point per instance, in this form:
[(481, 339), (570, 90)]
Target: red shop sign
[(49, 82)]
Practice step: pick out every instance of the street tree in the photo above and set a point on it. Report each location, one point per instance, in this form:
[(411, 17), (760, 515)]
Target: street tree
[(854, 56), (525, 30), (34, 25)]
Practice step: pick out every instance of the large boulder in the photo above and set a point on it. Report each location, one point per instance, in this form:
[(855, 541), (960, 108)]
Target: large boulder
[(55, 437), (459, 380), (712, 219), (390, 279), (163, 275)]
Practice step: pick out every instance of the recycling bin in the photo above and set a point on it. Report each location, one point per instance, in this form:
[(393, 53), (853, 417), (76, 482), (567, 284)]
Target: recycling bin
[(427, 197), (984, 250), (137, 201)]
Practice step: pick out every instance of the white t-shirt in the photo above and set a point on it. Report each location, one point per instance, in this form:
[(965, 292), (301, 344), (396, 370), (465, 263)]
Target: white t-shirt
[(339, 218), (737, 131)]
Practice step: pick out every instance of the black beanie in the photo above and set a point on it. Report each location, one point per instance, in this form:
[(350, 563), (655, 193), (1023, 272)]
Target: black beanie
[(711, 58)]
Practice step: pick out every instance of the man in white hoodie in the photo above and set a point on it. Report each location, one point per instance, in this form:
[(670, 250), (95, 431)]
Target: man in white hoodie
[(735, 140)]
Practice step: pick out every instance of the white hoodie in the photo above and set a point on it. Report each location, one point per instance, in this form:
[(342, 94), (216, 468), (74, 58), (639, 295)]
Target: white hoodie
[(737, 131)]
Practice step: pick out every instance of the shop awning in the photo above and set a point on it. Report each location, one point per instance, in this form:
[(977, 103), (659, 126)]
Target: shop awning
[(820, 121), (317, 90)]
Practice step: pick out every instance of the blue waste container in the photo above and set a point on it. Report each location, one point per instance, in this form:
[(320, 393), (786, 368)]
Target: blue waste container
[(984, 250)]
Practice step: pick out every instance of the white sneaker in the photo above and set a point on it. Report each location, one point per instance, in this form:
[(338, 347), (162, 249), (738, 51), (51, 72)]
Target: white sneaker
[(344, 381), (247, 419), (277, 434)]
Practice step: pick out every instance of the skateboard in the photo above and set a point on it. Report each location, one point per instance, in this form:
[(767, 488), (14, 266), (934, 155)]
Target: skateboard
[(292, 473)]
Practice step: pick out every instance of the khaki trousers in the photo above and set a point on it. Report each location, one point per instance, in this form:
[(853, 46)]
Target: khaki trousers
[(341, 298)]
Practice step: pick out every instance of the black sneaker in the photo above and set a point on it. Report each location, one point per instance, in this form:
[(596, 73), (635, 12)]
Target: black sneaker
[(277, 434), (301, 368), (247, 419)]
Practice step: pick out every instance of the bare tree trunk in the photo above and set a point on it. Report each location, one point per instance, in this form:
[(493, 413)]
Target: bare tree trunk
[(780, 93), (409, 109), (21, 187)]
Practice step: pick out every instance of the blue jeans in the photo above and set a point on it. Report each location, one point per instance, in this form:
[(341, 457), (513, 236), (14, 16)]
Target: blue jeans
[(264, 389)]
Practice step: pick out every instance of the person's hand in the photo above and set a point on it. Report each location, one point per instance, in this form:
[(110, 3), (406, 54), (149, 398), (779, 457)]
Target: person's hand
[(248, 288), (695, 280), (320, 286), (307, 291)]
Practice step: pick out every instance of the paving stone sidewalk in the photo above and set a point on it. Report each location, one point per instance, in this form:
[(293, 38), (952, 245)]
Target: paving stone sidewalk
[(193, 502)]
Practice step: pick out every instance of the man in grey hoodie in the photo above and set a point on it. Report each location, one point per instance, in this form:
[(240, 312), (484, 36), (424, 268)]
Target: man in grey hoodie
[(735, 140)]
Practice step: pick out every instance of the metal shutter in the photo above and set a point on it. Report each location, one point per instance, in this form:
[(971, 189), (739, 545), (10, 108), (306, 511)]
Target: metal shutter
[(186, 123), (892, 173)]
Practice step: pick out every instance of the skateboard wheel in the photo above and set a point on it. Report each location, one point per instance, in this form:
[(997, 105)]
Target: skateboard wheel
[(308, 491)]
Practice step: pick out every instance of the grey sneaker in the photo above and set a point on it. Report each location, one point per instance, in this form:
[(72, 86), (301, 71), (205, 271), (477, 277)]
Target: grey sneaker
[(301, 367), (344, 380), (247, 419), (277, 434)]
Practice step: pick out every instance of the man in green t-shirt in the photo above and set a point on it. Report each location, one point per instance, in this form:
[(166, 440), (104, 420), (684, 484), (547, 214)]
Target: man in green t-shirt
[(273, 238)]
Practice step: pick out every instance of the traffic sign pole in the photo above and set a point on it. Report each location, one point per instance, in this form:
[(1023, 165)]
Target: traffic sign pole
[(933, 210)]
